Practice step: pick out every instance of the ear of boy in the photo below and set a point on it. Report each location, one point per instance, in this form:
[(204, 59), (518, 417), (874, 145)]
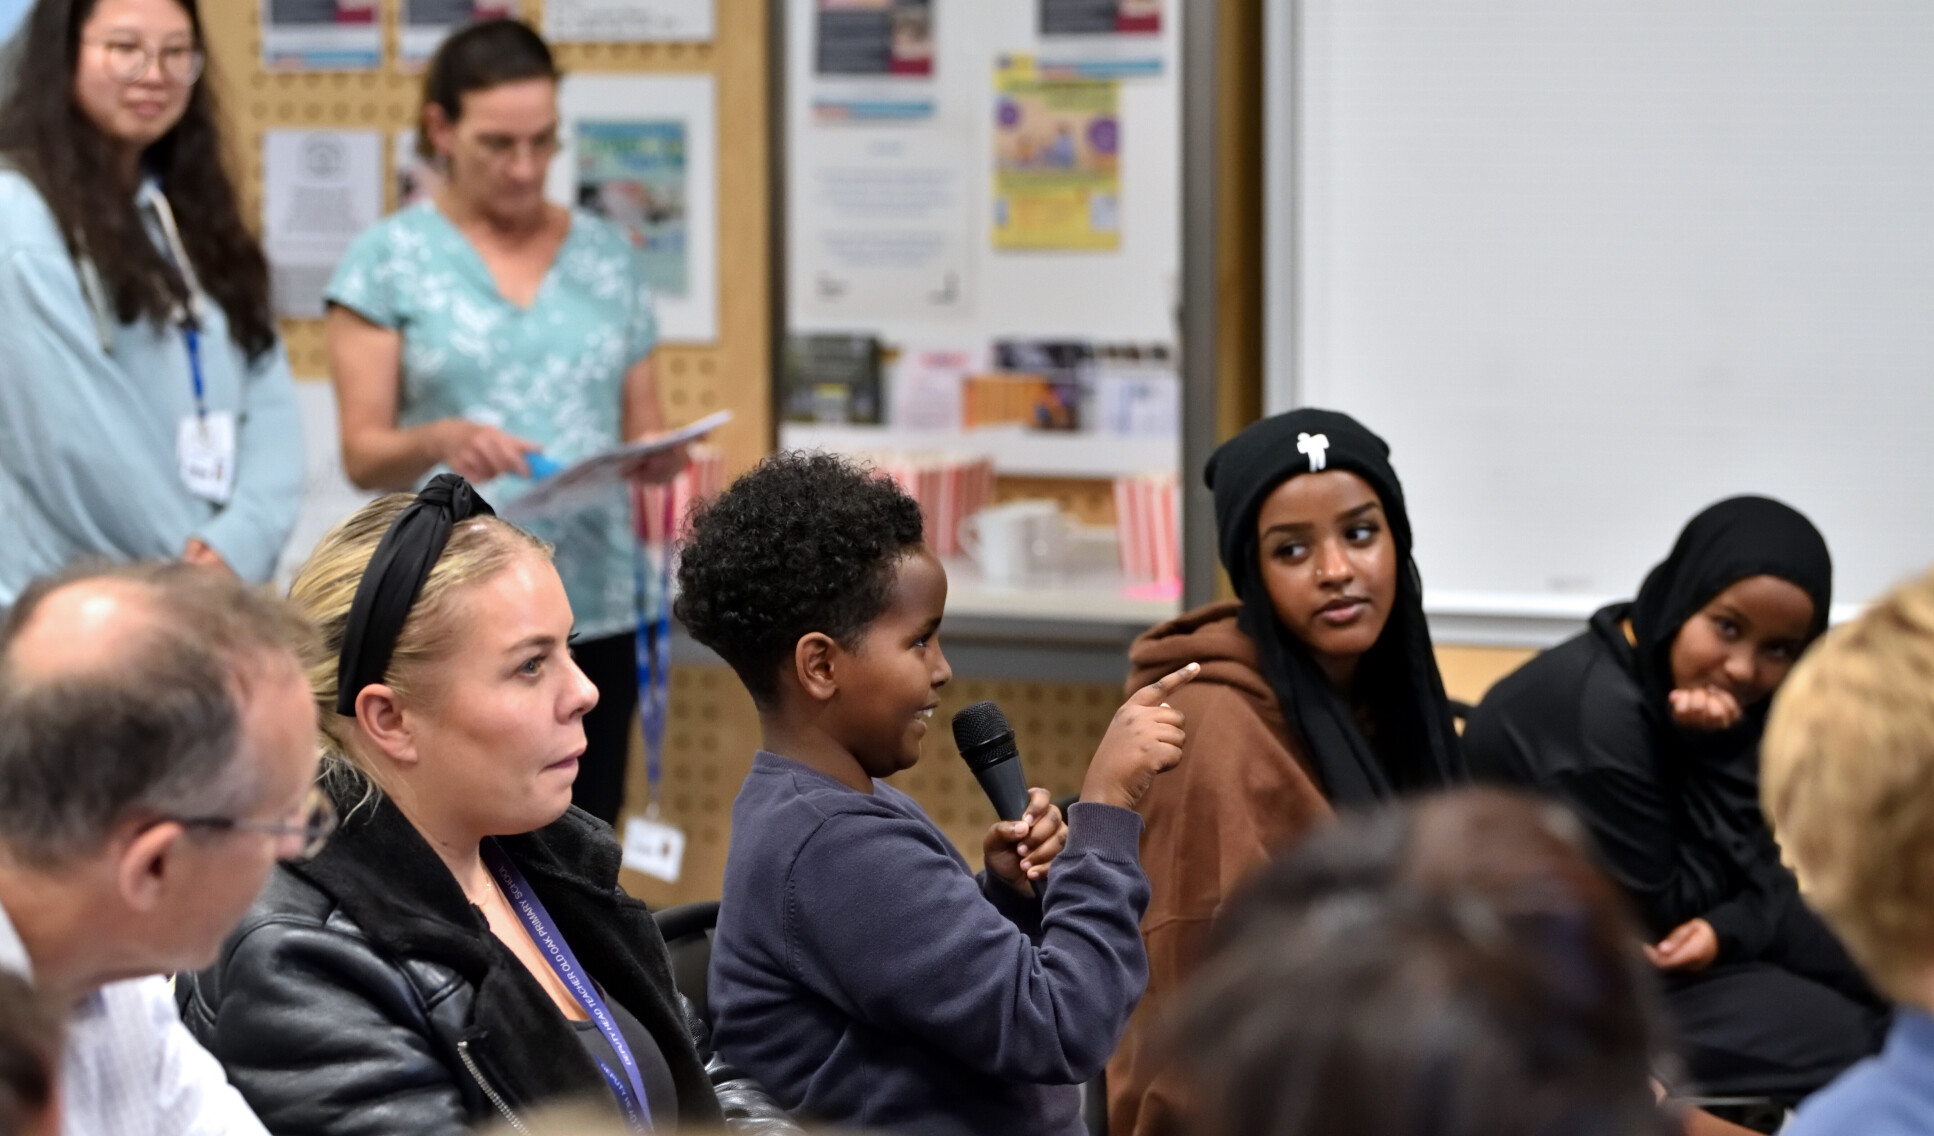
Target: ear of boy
[(803, 723)]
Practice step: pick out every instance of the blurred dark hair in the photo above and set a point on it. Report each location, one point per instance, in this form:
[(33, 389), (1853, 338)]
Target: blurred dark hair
[(484, 55), (80, 175), (30, 1041), (1451, 967)]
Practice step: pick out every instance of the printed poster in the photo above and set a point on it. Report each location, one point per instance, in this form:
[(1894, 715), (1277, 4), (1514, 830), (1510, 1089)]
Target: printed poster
[(425, 24), (633, 175), (320, 188), (415, 177), (1057, 160), (873, 60), (1101, 17), (628, 21), (321, 35)]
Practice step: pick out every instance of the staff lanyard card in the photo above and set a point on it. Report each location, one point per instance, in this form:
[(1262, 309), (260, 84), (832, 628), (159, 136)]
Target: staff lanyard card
[(205, 440), (650, 845)]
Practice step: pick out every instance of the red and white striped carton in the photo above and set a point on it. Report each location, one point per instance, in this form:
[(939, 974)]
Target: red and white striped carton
[(1147, 512), (947, 487), (659, 509)]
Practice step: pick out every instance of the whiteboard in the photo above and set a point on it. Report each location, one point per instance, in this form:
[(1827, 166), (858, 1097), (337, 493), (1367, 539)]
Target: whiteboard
[(1590, 265)]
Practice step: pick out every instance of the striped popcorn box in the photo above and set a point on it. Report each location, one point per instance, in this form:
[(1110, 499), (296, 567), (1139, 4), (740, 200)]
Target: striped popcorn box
[(947, 487), (1147, 511), (658, 510)]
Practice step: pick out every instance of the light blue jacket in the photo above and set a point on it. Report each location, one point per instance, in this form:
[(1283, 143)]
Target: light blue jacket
[(87, 436)]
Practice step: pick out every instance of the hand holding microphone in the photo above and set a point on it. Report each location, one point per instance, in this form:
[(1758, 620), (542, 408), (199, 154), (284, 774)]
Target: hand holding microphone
[(1031, 831)]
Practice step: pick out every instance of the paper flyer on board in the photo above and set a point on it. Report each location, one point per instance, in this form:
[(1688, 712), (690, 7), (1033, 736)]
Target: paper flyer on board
[(1057, 160), (628, 21), (425, 24), (633, 175), (320, 188), (321, 35), (873, 60), (587, 481)]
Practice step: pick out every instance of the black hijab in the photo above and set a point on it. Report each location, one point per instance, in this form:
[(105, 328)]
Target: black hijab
[(1417, 746), (1715, 774)]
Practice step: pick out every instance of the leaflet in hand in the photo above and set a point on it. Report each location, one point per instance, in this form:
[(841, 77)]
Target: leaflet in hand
[(585, 482)]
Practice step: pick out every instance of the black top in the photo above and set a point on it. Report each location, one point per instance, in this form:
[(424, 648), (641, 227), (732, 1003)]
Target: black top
[(1685, 838), (661, 1094)]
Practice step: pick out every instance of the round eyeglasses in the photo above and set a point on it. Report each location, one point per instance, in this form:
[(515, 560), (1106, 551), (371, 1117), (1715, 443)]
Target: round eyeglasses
[(129, 59)]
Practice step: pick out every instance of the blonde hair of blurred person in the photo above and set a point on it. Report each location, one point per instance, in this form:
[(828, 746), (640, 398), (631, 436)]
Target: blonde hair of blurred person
[(400, 951), (1847, 781), (1847, 773)]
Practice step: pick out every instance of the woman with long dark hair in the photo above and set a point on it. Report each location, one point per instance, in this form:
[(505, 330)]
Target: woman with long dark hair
[(475, 329), (1318, 689), (146, 409)]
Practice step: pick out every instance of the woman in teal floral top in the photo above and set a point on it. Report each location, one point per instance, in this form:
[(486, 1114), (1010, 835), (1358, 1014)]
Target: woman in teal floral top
[(473, 330)]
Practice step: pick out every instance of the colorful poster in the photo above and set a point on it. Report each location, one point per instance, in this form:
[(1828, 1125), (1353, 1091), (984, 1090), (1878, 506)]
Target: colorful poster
[(425, 24), (321, 35), (1057, 160), (628, 21), (642, 150), (633, 174), (1101, 17)]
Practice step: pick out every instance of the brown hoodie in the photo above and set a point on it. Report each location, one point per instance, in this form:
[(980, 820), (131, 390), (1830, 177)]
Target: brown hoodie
[(1241, 794)]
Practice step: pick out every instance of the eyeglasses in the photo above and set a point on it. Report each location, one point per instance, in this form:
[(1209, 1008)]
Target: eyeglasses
[(317, 820), (129, 59)]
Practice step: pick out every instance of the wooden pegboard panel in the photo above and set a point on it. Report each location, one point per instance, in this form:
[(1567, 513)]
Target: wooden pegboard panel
[(713, 731), (695, 379)]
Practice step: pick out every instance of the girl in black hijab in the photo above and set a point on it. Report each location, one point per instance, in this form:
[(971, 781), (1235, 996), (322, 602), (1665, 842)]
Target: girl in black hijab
[(1318, 688), (1648, 725)]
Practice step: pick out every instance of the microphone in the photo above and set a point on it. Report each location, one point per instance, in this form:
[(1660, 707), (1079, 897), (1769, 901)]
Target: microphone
[(986, 744)]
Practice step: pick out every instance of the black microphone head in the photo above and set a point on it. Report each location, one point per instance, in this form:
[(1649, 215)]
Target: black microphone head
[(983, 736)]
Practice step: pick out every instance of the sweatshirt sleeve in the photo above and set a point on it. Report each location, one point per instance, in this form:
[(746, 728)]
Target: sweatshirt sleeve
[(917, 948), (251, 529)]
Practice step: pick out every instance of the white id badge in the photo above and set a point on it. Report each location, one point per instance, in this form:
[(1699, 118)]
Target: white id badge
[(205, 448), (653, 848)]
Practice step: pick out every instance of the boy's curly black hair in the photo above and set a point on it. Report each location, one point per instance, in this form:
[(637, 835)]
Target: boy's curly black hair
[(805, 542)]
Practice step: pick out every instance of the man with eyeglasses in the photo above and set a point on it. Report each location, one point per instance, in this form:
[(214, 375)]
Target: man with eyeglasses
[(157, 757)]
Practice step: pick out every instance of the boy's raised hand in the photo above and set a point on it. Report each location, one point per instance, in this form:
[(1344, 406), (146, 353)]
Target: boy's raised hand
[(1018, 851), (1144, 739)]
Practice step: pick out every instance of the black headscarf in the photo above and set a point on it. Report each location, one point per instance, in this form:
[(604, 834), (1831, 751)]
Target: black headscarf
[(1726, 543), (1714, 775), (395, 576), (1417, 746)]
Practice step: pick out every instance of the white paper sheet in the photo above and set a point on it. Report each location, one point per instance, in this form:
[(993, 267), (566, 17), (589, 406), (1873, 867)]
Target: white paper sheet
[(682, 253), (574, 486), (884, 219), (319, 189), (617, 21)]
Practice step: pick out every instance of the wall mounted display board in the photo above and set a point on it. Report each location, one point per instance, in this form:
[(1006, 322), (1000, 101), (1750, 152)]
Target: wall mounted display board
[(1591, 266)]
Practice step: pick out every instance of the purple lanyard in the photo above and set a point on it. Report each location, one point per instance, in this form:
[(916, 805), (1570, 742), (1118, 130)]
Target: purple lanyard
[(630, 1091)]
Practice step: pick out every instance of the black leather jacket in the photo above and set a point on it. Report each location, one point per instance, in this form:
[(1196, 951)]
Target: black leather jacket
[(362, 995)]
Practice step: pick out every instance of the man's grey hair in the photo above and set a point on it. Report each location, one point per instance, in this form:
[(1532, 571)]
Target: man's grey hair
[(152, 733)]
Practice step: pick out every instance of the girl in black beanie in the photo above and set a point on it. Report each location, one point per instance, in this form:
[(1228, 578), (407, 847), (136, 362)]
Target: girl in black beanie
[(1318, 689)]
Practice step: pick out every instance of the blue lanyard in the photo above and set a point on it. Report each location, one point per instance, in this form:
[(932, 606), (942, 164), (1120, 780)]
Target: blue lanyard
[(192, 337), (653, 651), (630, 1091)]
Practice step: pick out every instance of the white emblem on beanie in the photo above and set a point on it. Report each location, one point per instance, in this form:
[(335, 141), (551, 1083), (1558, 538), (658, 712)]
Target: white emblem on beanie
[(1316, 446)]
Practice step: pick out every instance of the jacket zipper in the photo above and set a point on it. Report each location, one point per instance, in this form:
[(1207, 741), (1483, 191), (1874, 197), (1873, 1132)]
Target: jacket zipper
[(490, 1094)]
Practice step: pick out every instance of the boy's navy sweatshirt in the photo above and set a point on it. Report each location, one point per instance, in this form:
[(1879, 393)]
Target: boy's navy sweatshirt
[(866, 977)]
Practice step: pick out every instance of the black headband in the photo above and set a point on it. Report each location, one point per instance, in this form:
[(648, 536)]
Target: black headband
[(395, 576)]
